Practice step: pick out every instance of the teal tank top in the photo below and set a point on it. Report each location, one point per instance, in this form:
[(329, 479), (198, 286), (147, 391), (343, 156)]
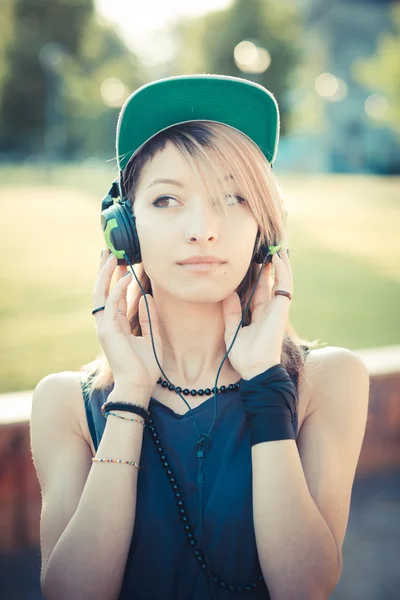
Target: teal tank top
[(161, 564)]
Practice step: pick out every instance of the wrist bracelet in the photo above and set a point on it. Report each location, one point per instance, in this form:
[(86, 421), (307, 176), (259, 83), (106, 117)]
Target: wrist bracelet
[(116, 460), (127, 406), (125, 418)]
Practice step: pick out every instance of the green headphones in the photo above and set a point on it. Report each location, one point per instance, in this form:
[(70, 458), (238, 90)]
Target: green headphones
[(119, 227)]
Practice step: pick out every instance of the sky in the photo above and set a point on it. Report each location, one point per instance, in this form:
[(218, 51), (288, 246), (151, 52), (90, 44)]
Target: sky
[(141, 22)]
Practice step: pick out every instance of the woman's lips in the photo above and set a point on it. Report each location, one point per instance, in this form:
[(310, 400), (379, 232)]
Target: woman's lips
[(201, 266)]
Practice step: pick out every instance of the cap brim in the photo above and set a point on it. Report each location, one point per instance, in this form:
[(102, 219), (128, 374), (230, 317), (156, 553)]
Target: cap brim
[(239, 103)]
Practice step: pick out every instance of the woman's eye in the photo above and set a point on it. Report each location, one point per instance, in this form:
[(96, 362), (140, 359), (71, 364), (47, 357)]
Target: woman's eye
[(239, 199), (160, 199)]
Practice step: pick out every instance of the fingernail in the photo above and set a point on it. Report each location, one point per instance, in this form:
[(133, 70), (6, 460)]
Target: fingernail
[(102, 252), (111, 254), (127, 273)]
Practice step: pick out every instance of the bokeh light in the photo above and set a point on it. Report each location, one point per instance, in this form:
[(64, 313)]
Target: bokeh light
[(250, 58), (376, 106), (113, 92), (330, 87)]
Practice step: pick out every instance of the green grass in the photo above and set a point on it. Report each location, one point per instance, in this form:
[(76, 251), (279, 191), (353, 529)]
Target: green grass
[(343, 236)]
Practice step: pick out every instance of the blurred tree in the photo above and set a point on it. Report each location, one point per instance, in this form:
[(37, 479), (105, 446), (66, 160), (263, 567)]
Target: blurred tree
[(97, 86), (6, 34), (382, 71), (23, 102), (52, 100), (207, 44)]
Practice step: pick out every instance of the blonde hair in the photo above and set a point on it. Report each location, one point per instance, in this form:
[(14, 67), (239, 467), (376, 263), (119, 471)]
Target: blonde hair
[(208, 146)]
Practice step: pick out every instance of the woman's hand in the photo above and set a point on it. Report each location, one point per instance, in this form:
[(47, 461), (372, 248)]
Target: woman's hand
[(131, 358), (258, 346)]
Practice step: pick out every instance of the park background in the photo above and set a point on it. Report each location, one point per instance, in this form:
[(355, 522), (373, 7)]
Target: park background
[(66, 67)]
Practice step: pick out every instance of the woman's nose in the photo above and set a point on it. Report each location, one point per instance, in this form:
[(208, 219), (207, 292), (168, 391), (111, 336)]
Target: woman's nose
[(203, 224)]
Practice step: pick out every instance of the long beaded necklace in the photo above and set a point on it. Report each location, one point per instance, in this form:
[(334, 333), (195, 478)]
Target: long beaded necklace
[(234, 587)]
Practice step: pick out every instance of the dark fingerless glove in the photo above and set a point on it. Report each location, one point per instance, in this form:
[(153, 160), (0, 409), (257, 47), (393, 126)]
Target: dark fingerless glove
[(269, 402)]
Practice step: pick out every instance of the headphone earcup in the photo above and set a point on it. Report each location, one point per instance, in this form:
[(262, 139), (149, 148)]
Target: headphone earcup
[(263, 252), (119, 227)]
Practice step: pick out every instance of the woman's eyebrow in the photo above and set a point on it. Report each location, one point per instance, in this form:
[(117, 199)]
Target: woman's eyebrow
[(176, 182), (161, 180)]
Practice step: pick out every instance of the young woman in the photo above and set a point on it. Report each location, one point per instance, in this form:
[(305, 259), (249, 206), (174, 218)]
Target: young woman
[(208, 453)]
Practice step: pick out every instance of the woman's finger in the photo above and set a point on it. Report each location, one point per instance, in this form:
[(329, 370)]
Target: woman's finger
[(121, 270), (105, 253), (282, 277), (123, 303), (102, 286), (144, 318), (116, 296), (262, 294), (285, 258)]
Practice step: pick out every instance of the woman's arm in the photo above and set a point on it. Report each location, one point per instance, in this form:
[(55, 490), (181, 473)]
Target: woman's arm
[(302, 493), (88, 510)]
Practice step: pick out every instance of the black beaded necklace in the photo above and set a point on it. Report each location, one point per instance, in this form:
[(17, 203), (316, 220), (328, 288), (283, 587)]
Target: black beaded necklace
[(234, 587), (200, 392)]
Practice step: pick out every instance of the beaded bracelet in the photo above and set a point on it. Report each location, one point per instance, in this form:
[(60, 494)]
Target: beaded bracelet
[(125, 418), (116, 460)]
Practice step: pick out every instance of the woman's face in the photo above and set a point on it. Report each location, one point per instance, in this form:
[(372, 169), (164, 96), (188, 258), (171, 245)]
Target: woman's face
[(182, 206)]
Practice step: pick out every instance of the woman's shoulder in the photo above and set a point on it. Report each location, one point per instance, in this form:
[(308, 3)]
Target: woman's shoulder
[(309, 378), (60, 395), (313, 361), (60, 388), (328, 367), (331, 357)]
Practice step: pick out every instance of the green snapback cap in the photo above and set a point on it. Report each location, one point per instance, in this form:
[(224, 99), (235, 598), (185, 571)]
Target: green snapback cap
[(236, 102)]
